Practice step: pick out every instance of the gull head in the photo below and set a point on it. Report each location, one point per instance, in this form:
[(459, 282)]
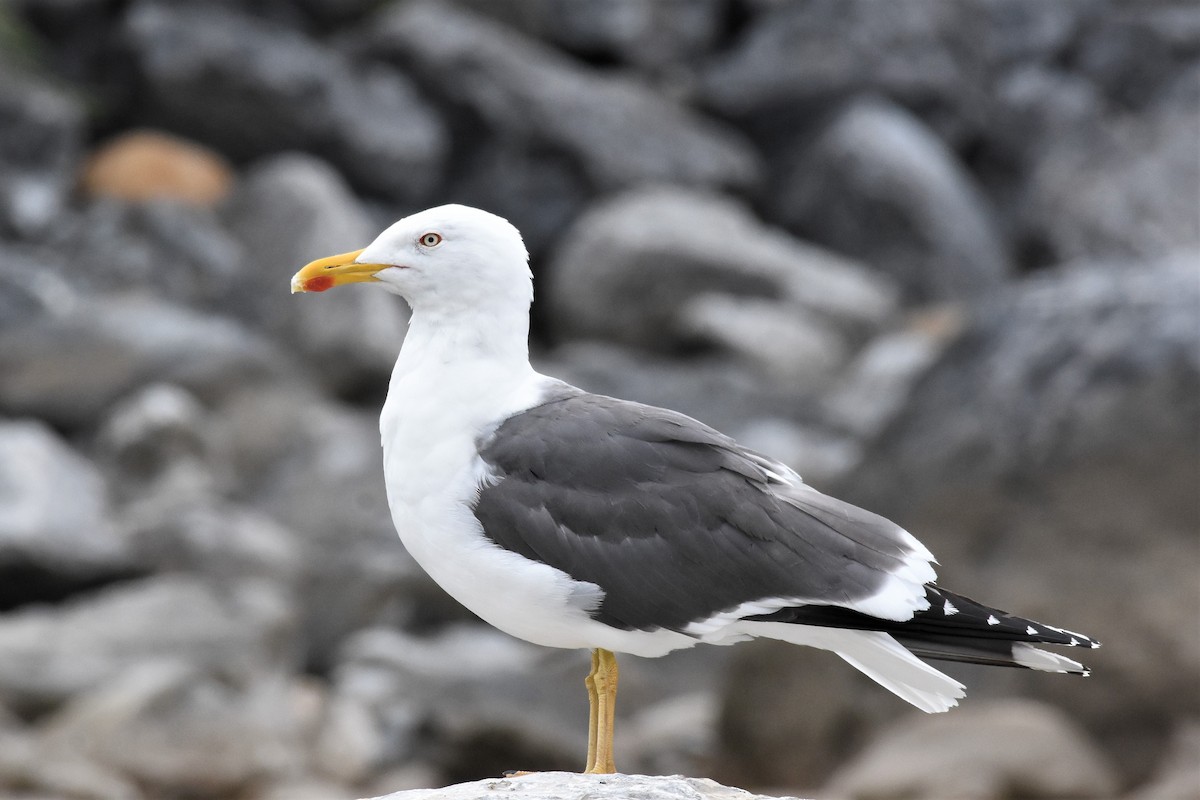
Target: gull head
[(451, 257)]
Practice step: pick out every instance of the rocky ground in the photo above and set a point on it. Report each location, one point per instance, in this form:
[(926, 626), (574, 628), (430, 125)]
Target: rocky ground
[(943, 258)]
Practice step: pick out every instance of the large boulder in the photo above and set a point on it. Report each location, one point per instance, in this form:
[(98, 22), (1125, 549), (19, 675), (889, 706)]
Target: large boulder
[(938, 59), (56, 528), (53, 653), (176, 727), (1122, 189), (662, 269), (69, 368), (41, 131), (653, 36), (989, 752), (315, 467), (878, 185), (559, 786), (251, 87), (1049, 460), (616, 130)]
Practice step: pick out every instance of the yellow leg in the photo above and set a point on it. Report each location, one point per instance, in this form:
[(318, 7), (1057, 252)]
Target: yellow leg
[(602, 685), (593, 710)]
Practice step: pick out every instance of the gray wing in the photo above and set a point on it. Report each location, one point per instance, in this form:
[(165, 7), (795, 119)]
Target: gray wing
[(673, 520)]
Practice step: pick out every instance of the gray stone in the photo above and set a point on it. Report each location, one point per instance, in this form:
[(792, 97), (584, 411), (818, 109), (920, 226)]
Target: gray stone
[(537, 190), (1057, 429), (478, 702), (289, 210), (251, 87), (718, 390), (41, 130), (616, 130), (789, 349), (878, 185), (316, 467), (986, 752), (560, 785), (52, 653), (1123, 189), (28, 772), (629, 269), (653, 36), (56, 529), (1177, 775), (789, 715), (32, 284), (939, 58), (178, 251), (875, 388), (156, 440), (68, 369), (172, 727), (224, 542), (800, 54), (1135, 51)]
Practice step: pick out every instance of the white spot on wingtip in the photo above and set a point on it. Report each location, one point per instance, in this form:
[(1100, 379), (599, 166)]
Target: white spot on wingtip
[(1032, 631), (1074, 642), (948, 609), (991, 620)]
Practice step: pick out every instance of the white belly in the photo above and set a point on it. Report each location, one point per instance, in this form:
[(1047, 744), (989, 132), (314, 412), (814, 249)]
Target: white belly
[(432, 472)]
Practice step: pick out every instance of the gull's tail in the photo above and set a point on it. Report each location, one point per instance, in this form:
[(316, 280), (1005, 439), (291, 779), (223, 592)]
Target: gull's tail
[(953, 628)]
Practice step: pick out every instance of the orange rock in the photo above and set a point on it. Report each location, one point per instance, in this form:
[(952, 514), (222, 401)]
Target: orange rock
[(149, 165)]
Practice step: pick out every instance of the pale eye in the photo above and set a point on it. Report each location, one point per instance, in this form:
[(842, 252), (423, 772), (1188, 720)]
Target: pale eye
[(431, 239)]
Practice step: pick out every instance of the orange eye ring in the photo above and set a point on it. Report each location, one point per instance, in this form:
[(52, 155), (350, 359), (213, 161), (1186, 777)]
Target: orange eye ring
[(430, 239)]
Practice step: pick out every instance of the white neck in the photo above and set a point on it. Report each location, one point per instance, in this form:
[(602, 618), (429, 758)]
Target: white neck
[(457, 373)]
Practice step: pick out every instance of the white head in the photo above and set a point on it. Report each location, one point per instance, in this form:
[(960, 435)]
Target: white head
[(447, 260)]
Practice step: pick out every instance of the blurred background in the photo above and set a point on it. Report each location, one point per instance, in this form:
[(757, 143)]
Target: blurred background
[(941, 257)]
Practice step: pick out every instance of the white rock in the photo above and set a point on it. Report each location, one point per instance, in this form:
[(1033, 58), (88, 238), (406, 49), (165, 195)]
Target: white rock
[(564, 785)]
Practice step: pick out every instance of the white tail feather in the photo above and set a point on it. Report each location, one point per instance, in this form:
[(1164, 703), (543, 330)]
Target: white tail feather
[(878, 656)]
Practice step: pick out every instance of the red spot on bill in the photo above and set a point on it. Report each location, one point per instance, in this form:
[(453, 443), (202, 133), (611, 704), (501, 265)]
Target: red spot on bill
[(318, 284)]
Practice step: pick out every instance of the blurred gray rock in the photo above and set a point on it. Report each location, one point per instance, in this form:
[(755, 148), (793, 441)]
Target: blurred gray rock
[(180, 252), (675, 736), (534, 187), (173, 727), (716, 389), (618, 131), (455, 696), (475, 702), (876, 386), (562, 785), (938, 58), (41, 131), (156, 440), (1135, 51), (28, 772), (53, 653), (68, 369), (985, 752), (56, 529), (877, 168), (1057, 432), (1177, 775), (636, 270), (223, 542), (32, 284), (251, 87), (791, 349), (789, 715), (289, 210), (316, 467), (1124, 189), (659, 35)]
